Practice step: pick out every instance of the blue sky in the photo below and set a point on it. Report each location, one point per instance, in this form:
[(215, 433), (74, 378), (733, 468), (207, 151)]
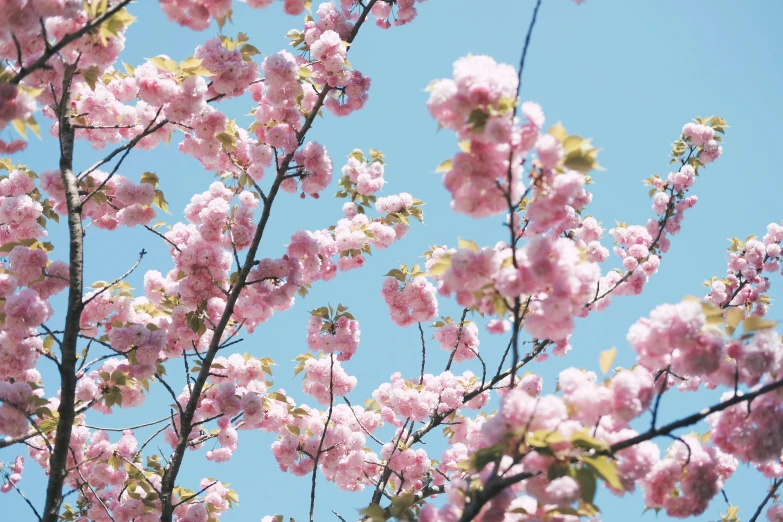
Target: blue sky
[(627, 74)]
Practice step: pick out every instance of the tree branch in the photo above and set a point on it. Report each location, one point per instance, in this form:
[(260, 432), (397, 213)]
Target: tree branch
[(172, 468), (51, 50), (59, 457), (772, 490)]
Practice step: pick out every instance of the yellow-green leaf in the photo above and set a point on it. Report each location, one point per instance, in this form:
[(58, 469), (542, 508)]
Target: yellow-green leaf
[(733, 316), (470, 245), (19, 126), (163, 62), (606, 359), (558, 131), (605, 468), (150, 178), (753, 323), (445, 166)]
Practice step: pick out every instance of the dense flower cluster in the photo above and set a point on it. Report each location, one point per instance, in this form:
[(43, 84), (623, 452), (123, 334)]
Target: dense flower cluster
[(685, 482), (410, 302), (460, 338), (477, 104), (340, 335)]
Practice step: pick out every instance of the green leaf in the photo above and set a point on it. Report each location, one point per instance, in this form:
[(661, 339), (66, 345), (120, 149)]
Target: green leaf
[(485, 456), (605, 468), (397, 274), (91, 76), (587, 484), (150, 178), (374, 513), (47, 425), (581, 439), (477, 119)]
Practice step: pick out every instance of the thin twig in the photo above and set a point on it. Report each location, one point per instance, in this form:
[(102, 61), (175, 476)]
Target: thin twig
[(772, 490), (27, 500), (123, 276), (423, 353), (323, 436), (459, 337)]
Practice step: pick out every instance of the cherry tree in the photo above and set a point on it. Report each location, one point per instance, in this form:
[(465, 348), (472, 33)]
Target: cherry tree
[(508, 450)]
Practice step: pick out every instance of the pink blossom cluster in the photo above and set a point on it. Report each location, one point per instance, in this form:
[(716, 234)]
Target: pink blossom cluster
[(16, 403), (469, 273), (353, 236), (414, 301), (474, 178), (587, 235), (402, 399), (19, 215), (460, 338), (478, 105), (701, 135), (107, 466), (329, 17), (344, 457), (555, 201), (121, 202), (351, 95), (676, 336), (88, 50), (394, 203), (341, 335), (281, 81), (745, 284), (367, 176), (751, 436), (237, 385), (274, 285), (326, 379), (220, 223), (684, 483), (16, 474), (627, 396), (328, 52), (413, 464), (103, 308), (404, 13), (148, 347), (15, 104), (23, 16), (325, 39), (315, 170), (775, 513), (217, 500), (197, 14), (314, 251), (12, 147), (231, 73), (113, 377), (549, 270), (638, 246)]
